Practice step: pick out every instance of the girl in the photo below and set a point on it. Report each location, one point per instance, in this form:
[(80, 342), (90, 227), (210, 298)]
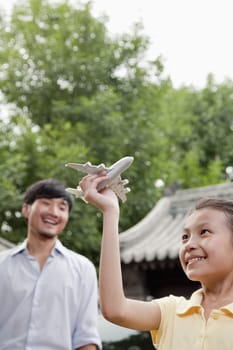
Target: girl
[(203, 322)]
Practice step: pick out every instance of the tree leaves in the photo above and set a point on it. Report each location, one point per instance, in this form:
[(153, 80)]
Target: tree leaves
[(82, 95)]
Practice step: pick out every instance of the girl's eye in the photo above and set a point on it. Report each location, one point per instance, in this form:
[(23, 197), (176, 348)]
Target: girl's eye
[(204, 231), (185, 237)]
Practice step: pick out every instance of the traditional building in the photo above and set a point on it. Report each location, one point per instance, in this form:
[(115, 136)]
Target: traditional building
[(4, 244), (149, 250)]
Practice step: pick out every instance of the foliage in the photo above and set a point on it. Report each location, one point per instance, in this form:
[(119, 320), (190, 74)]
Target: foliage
[(213, 123), (139, 341), (82, 95)]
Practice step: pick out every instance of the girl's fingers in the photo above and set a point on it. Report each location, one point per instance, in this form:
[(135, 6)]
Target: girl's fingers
[(92, 181)]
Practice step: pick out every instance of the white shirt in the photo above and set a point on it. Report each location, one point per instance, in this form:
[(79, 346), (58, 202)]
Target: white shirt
[(55, 308)]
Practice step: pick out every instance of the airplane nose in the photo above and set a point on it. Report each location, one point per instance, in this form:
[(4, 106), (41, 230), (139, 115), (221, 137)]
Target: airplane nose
[(131, 159), (127, 161)]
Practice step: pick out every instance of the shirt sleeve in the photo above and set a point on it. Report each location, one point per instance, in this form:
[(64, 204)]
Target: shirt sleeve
[(167, 307), (86, 331)]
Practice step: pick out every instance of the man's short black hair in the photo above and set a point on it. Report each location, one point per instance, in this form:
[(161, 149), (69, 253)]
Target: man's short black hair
[(48, 188)]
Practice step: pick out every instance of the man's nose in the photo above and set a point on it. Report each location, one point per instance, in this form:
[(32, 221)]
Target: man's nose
[(54, 209)]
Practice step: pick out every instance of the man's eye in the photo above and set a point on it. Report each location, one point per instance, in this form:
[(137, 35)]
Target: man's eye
[(63, 207)]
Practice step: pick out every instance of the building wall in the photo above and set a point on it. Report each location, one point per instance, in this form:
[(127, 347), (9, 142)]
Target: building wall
[(145, 282), (4, 244)]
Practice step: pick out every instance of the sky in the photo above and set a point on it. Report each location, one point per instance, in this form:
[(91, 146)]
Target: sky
[(192, 36)]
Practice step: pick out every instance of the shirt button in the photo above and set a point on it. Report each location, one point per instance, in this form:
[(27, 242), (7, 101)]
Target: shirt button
[(215, 316)]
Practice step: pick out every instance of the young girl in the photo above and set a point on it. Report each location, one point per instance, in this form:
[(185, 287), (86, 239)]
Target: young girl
[(203, 322)]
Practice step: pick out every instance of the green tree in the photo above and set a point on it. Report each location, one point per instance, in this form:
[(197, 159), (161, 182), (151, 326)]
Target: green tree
[(63, 72), (212, 125), (83, 95)]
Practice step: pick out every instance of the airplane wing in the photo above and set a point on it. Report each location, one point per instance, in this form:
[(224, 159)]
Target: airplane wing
[(88, 168), (116, 186), (120, 189), (114, 180), (75, 191)]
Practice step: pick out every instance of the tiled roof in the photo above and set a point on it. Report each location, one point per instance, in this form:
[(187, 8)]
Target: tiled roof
[(4, 244), (157, 235)]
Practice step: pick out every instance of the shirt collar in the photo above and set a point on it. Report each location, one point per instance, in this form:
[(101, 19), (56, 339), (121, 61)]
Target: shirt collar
[(194, 304), (59, 247), (19, 248), (22, 247), (228, 309)]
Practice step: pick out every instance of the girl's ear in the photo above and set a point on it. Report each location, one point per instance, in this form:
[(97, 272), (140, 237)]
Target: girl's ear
[(25, 210)]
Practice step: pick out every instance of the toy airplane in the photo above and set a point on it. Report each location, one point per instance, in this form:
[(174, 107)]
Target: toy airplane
[(114, 180)]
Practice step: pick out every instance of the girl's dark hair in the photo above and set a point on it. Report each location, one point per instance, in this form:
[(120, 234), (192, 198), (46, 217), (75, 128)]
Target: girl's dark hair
[(48, 188), (221, 204)]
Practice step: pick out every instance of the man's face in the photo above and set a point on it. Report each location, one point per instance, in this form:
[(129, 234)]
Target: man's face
[(46, 217)]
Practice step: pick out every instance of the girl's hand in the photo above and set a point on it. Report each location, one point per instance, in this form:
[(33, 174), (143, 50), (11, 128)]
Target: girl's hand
[(104, 199)]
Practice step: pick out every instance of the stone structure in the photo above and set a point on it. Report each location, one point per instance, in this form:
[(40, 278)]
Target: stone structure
[(149, 250), (4, 244)]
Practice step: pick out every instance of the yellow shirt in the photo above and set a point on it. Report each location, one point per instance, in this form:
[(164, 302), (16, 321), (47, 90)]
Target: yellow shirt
[(183, 326)]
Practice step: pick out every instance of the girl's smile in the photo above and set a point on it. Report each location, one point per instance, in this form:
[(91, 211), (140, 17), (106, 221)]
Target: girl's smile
[(206, 248)]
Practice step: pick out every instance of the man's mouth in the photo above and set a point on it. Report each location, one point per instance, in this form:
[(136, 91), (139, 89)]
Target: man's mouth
[(50, 222)]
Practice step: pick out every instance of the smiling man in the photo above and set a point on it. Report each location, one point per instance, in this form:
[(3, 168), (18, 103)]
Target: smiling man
[(48, 292)]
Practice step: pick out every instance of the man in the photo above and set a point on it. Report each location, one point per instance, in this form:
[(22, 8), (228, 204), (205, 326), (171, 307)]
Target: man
[(48, 293)]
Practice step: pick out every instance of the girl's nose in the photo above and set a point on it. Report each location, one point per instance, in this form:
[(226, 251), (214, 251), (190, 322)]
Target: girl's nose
[(191, 243)]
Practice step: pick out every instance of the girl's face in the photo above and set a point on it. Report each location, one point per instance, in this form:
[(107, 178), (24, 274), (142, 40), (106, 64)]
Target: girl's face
[(206, 252)]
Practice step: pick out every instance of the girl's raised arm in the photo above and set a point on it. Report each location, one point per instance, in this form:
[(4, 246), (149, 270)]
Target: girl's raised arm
[(115, 307)]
